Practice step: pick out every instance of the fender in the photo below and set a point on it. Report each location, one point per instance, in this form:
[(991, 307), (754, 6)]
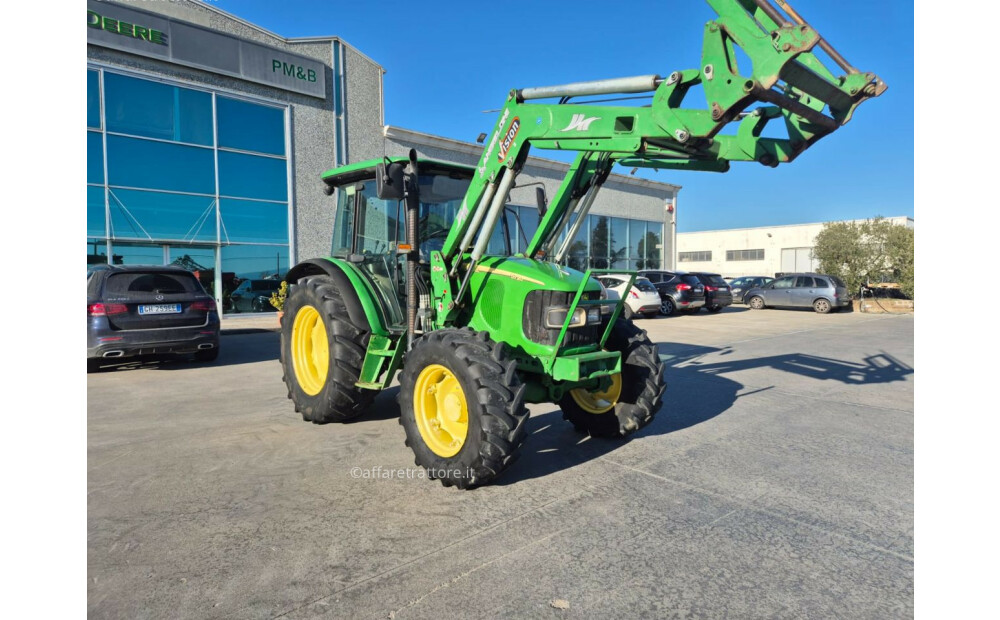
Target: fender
[(362, 307)]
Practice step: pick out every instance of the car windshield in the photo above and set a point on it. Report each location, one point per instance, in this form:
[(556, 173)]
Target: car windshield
[(714, 279), (158, 282)]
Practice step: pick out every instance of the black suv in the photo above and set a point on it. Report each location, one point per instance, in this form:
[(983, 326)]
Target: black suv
[(137, 310), (718, 293), (678, 290)]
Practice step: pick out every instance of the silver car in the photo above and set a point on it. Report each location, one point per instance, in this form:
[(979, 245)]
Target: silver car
[(801, 290)]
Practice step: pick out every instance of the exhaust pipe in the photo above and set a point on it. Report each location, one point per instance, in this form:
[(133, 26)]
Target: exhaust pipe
[(114, 354), (206, 345)]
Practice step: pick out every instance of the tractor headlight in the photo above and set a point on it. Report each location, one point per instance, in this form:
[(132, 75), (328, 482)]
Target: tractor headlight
[(555, 317)]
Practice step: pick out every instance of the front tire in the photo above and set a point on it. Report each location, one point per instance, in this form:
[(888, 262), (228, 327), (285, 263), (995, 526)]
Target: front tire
[(322, 352), (821, 306), (634, 396), (756, 303), (462, 406)]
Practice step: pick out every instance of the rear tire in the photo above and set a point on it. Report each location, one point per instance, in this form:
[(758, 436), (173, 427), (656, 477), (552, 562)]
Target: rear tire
[(756, 302), (641, 388), (821, 306), (482, 398), (322, 352), (714, 309), (667, 307)]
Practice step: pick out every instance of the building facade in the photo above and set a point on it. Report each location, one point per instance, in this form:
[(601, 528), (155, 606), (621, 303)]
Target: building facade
[(762, 251), (207, 135)]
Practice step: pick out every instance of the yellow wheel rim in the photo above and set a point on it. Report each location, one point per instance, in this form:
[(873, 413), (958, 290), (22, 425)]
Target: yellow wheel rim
[(310, 350), (599, 402), (441, 411)]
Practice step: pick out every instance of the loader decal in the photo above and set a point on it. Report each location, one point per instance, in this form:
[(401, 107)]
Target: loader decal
[(508, 138)]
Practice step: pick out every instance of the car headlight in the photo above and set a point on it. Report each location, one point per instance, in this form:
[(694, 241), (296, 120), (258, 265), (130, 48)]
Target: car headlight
[(556, 317)]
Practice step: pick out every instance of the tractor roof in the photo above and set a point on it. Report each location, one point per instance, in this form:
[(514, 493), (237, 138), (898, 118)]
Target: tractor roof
[(366, 170)]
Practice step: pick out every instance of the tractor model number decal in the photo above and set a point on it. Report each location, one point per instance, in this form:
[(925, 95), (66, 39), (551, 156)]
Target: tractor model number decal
[(508, 138)]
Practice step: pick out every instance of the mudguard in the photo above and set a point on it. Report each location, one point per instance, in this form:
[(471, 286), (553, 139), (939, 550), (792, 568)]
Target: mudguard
[(362, 303)]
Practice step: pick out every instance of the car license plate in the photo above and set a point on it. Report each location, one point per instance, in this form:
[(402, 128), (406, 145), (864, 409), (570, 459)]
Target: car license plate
[(160, 309)]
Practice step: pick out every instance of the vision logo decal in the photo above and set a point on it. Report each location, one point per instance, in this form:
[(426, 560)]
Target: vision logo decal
[(508, 138)]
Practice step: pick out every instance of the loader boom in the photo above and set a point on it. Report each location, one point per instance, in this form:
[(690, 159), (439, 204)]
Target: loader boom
[(787, 83)]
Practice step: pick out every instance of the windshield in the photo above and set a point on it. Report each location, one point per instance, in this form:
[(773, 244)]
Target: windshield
[(381, 223)]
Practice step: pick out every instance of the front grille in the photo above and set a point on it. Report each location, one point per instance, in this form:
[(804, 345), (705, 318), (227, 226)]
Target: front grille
[(533, 322)]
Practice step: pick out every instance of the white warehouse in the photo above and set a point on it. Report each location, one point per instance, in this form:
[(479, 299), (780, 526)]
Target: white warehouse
[(763, 251)]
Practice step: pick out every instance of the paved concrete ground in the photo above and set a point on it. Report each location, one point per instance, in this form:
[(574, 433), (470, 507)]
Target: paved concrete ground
[(777, 481)]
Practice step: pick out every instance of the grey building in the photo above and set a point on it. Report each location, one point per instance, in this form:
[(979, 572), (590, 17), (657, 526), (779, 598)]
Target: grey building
[(206, 137)]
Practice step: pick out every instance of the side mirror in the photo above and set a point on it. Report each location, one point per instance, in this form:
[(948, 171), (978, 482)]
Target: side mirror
[(540, 201), (389, 180)]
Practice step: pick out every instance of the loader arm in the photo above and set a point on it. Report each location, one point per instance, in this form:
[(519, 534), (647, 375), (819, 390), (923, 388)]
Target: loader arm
[(786, 84)]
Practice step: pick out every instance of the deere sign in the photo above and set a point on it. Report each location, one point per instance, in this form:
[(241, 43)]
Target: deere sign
[(152, 35), (125, 28)]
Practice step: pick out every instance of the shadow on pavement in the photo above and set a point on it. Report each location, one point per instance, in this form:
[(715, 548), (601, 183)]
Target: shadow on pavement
[(696, 392)]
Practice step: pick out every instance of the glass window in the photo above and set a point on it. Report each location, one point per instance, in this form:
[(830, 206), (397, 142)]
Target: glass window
[(158, 165), (250, 176), (804, 282), (600, 250), (93, 99), (143, 214), (529, 223), (257, 262), (136, 254), (578, 252), (757, 254), (97, 252), (250, 127), (249, 221), (652, 244), (695, 257), (619, 243), (95, 212), (636, 234), (95, 157), (343, 225), (783, 282), (155, 110)]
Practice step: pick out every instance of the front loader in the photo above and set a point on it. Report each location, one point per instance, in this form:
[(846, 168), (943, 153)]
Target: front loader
[(422, 281)]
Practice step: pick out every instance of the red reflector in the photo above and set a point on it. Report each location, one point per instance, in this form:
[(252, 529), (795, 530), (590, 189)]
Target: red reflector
[(683, 287), (106, 309), (207, 306), (110, 338), (634, 294)]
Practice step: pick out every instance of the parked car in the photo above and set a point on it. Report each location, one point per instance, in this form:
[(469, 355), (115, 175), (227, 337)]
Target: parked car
[(679, 291), (743, 284), (801, 290), (718, 294), (254, 296), (143, 309), (641, 299)]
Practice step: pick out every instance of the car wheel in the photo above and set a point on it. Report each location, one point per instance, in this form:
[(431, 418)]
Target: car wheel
[(756, 302), (667, 307), (821, 306)]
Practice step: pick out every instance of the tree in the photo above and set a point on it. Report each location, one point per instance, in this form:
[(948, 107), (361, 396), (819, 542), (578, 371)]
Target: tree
[(870, 251)]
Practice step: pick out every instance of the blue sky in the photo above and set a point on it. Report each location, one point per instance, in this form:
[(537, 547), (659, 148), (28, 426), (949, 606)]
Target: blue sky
[(447, 62)]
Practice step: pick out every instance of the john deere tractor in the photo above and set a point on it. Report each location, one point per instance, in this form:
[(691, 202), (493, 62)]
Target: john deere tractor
[(422, 280)]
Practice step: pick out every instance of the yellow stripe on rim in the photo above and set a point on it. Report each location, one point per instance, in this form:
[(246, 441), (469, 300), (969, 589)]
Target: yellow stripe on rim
[(310, 350), (599, 402), (440, 410)]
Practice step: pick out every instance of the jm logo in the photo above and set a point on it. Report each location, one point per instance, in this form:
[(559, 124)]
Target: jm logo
[(580, 122)]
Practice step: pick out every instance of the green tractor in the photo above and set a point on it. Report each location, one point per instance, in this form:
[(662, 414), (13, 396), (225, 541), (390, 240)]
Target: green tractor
[(422, 281)]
